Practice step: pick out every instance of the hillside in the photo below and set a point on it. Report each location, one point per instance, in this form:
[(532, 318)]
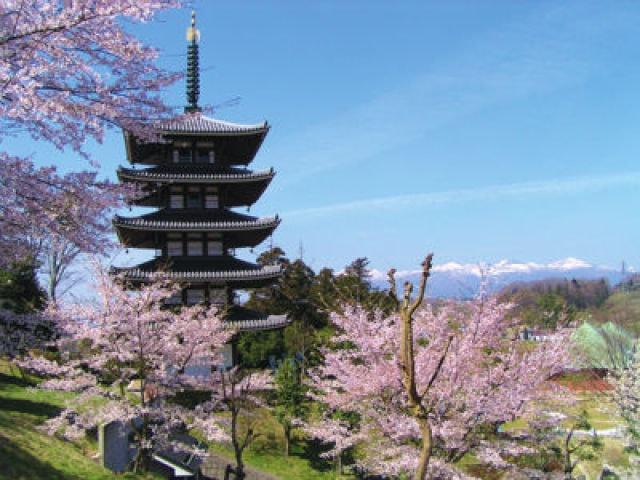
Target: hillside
[(26, 453), (621, 308)]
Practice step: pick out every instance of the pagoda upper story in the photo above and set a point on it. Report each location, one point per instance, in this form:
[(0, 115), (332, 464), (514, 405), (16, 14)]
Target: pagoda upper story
[(195, 173)]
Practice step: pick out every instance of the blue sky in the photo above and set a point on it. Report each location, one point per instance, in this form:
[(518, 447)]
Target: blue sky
[(477, 130)]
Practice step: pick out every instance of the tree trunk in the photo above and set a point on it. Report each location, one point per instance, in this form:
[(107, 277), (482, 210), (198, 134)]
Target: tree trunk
[(568, 467), (239, 465), (425, 452), (142, 459), (236, 446), (52, 288), (406, 308), (568, 471), (287, 439)]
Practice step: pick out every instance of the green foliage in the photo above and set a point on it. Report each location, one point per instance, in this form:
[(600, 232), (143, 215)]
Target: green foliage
[(20, 291), (25, 452), (289, 393), (606, 346), (554, 311), (586, 447), (292, 294), (307, 299), (555, 303), (255, 348), (621, 308), (289, 396)]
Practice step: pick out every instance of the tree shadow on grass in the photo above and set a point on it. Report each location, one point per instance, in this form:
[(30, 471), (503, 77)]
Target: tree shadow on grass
[(311, 451), (18, 464), (14, 380), (27, 406)]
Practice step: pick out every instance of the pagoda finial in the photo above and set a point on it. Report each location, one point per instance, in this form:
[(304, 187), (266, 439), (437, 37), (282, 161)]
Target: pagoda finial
[(193, 67)]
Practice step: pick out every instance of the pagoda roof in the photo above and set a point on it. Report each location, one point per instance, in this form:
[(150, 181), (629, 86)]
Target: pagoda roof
[(244, 319), (193, 173), (196, 220), (271, 322), (235, 144), (198, 124), (221, 269)]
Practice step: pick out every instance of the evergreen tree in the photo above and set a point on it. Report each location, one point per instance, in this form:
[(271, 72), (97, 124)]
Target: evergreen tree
[(292, 296), (289, 398), (358, 269), (20, 291), (354, 288)]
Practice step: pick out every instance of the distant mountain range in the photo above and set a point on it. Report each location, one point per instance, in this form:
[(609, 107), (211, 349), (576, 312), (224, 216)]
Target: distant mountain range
[(457, 280)]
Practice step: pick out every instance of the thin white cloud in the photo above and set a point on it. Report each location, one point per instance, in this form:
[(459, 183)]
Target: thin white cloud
[(513, 190), (554, 49)]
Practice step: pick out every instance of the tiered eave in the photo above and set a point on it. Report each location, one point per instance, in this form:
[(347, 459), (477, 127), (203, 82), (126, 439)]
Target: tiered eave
[(240, 187), (236, 144)]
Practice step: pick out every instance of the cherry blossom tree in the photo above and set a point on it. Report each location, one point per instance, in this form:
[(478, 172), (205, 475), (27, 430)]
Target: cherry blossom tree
[(21, 332), (68, 70), (237, 391), (338, 433), (431, 375), (58, 256), (23, 326), (626, 395), (131, 338)]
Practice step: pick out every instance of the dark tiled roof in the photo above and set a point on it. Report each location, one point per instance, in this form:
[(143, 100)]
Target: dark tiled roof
[(270, 322), (197, 219), (244, 319), (194, 173), (200, 269), (198, 123)]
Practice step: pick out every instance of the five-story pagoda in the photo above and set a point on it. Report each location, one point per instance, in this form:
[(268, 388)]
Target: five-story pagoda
[(196, 174)]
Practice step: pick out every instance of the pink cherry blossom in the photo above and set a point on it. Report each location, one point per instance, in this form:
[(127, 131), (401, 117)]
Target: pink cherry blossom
[(68, 70), (471, 370), (127, 336)]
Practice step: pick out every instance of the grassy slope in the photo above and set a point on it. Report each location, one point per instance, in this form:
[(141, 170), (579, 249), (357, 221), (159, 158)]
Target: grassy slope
[(26, 453), (602, 416), (266, 454), (622, 308)]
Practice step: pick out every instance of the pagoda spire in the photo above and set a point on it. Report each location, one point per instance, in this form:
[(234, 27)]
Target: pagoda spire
[(193, 67)]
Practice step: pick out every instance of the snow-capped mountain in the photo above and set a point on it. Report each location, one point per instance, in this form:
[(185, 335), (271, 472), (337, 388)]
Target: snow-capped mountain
[(463, 280)]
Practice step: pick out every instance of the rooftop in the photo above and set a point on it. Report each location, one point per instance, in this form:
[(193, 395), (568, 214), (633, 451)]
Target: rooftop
[(243, 318), (196, 219), (268, 323), (195, 269), (193, 173), (197, 123)]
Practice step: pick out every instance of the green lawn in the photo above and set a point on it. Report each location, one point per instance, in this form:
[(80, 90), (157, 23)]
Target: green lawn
[(602, 416), (26, 453), (266, 455)]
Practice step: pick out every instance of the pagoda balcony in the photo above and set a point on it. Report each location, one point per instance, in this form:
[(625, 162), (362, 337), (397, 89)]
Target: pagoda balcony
[(271, 322), (193, 173), (222, 270), (243, 319), (239, 187), (237, 229), (235, 144)]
